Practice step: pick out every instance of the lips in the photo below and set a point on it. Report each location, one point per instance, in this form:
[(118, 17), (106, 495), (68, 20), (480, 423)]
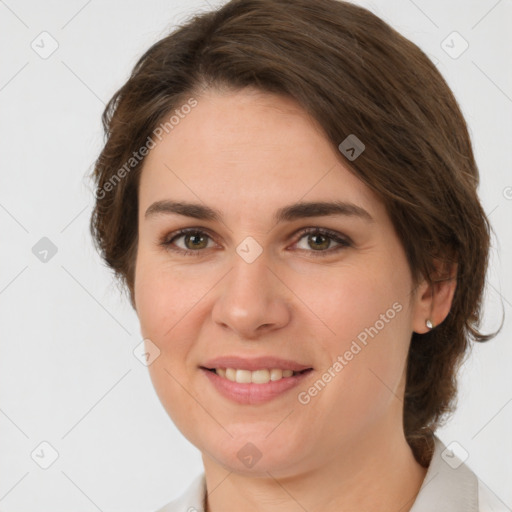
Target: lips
[(253, 393), (246, 391)]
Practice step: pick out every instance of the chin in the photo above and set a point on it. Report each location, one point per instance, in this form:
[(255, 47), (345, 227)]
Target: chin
[(254, 455)]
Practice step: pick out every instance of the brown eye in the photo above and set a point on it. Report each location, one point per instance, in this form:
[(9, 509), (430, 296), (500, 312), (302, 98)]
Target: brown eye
[(319, 241), (193, 242)]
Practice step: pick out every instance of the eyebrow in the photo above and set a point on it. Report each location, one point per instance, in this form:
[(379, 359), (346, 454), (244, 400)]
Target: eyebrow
[(288, 213)]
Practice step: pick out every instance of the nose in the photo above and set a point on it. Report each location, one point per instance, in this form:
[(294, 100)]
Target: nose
[(252, 300)]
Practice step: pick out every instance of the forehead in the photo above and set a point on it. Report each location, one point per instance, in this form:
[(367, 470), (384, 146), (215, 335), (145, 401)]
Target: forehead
[(248, 150)]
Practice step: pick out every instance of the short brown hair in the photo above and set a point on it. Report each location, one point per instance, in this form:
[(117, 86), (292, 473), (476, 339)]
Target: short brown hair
[(355, 75)]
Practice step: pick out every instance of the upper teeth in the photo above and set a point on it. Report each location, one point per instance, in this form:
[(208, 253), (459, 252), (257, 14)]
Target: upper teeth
[(258, 376)]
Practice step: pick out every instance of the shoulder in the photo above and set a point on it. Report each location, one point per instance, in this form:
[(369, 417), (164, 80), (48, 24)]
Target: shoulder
[(451, 486), (488, 501), (192, 499)]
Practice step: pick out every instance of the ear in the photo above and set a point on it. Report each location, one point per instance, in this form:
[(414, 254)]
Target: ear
[(433, 301)]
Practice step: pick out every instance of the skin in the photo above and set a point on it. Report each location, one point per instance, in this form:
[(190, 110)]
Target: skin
[(248, 153)]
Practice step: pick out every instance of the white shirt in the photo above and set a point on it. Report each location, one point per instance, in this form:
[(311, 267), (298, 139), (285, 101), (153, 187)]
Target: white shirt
[(449, 486)]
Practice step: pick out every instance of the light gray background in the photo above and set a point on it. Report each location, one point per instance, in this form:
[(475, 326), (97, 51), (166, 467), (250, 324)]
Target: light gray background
[(68, 375)]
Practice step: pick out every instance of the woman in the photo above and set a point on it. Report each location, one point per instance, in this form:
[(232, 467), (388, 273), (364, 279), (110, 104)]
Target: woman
[(288, 191)]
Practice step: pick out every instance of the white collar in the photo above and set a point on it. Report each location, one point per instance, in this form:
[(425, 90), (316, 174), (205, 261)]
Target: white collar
[(449, 485)]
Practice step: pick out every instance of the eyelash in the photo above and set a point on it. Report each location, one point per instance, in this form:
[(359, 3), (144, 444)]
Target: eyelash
[(333, 235)]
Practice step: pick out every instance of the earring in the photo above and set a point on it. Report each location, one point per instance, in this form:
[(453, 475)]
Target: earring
[(429, 324)]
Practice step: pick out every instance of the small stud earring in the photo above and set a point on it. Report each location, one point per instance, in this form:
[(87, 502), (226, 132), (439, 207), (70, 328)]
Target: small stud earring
[(429, 324)]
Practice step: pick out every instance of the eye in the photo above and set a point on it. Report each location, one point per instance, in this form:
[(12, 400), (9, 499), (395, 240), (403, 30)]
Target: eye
[(193, 238), (320, 239)]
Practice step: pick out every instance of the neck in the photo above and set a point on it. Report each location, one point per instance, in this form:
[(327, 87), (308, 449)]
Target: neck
[(372, 473)]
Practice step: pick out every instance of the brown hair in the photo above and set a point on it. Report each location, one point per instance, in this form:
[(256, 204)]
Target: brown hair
[(355, 75)]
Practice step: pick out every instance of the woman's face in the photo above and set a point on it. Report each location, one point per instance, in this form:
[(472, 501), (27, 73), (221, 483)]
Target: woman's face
[(258, 282)]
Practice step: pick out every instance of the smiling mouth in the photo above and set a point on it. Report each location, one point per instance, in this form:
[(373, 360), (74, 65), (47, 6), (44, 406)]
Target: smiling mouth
[(261, 376)]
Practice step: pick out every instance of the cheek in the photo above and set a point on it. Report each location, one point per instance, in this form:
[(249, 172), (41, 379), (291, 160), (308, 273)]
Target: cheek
[(162, 296), (356, 302), (171, 304), (367, 314), (154, 302), (163, 302)]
